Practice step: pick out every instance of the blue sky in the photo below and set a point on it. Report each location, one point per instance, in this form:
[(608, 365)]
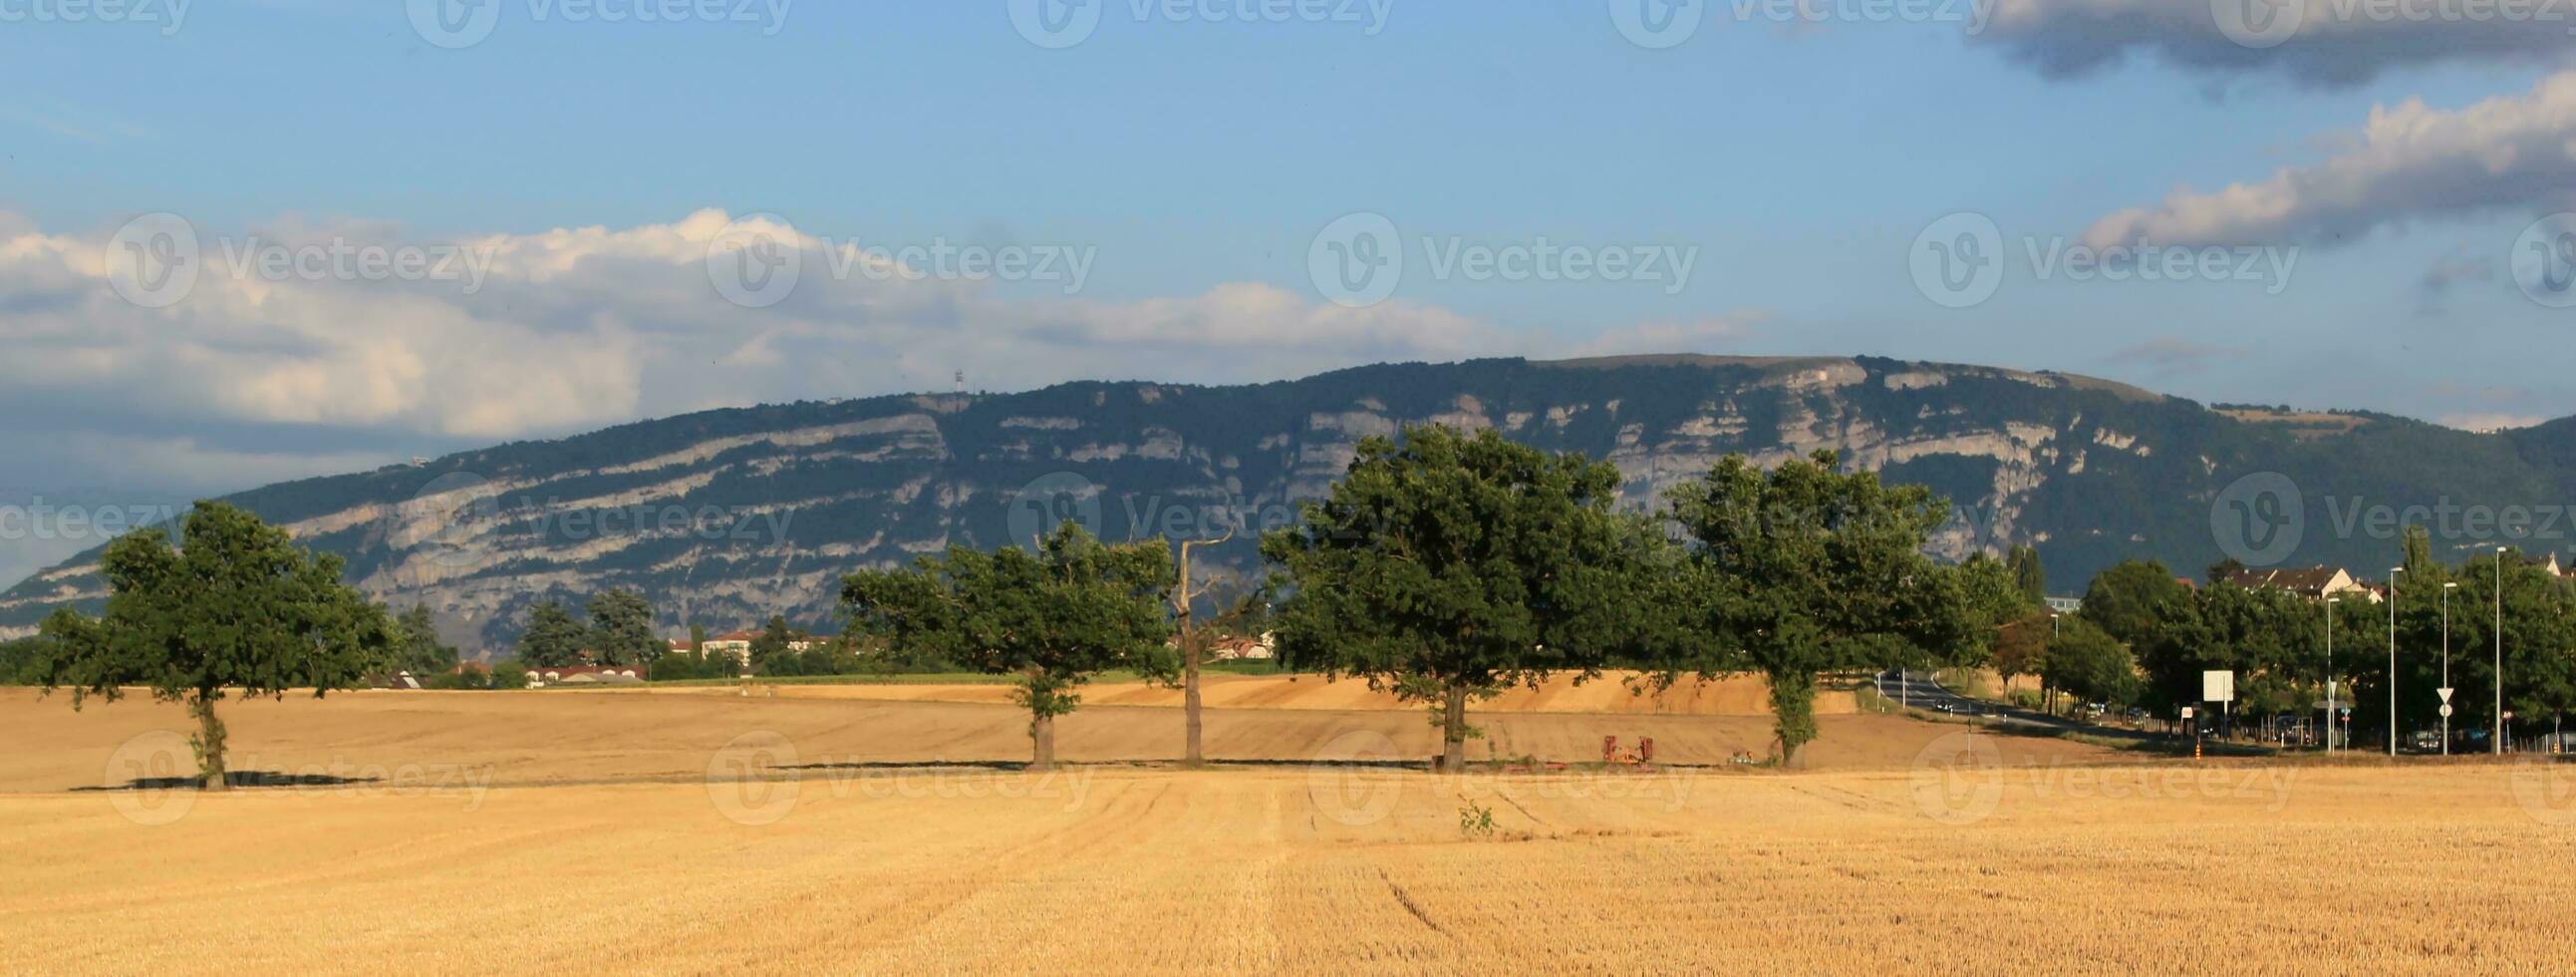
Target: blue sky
[(1195, 164)]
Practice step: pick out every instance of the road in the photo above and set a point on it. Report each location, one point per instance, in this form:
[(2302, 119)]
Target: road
[(1918, 690)]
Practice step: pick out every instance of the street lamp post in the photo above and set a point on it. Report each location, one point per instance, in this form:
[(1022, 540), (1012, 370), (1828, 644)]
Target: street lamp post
[(2330, 696), (2499, 655), (2446, 664), (2392, 659)]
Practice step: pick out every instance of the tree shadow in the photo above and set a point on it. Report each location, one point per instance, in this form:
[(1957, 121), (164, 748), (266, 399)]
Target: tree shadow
[(235, 778)]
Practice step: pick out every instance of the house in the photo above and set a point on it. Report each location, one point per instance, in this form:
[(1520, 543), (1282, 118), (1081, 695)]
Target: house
[(2547, 562), (2066, 605), (734, 643), (585, 675), (2315, 583), (1233, 647)]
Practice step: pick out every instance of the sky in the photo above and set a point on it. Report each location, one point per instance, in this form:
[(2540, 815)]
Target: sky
[(266, 239)]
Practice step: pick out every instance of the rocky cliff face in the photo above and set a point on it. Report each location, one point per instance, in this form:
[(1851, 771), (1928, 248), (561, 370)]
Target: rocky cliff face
[(727, 517)]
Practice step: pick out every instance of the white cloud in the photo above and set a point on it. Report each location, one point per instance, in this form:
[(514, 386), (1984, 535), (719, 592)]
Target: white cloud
[(573, 328), (2317, 42), (2410, 161)]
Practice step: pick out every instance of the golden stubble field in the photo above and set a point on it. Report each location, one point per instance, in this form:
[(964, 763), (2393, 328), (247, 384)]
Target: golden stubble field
[(678, 834)]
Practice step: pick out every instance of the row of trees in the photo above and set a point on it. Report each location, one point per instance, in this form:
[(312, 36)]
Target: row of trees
[(1443, 567), (1447, 567), (2276, 641)]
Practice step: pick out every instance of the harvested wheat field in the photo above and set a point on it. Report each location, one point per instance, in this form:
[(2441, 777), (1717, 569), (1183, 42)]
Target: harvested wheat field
[(1617, 693), (660, 833), (632, 734)]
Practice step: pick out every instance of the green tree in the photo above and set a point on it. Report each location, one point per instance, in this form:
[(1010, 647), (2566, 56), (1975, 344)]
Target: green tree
[(774, 643), (2091, 665), (2131, 599), (21, 659), (1803, 571), (418, 649), (698, 639), (1053, 617), (236, 605), (553, 638), (1452, 566), (2028, 576), (621, 629)]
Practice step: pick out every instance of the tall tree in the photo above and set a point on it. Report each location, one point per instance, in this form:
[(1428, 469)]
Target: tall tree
[(235, 606), (553, 638), (1804, 571), (621, 629), (1053, 617), (2130, 599), (2028, 576), (1192, 646), (1451, 566), (418, 649)]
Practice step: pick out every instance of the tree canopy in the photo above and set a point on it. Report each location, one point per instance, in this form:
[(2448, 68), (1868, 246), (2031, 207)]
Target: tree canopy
[(236, 605), (1448, 566), (1803, 570), (1053, 617), (554, 639)]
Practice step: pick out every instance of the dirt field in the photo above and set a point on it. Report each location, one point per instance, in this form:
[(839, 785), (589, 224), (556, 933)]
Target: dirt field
[(571, 832)]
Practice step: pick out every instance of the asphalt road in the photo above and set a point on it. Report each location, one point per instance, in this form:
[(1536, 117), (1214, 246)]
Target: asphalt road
[(1918, 690)]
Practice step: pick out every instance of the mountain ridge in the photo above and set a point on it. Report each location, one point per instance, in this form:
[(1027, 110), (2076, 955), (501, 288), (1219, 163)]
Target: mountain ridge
[(728, 516)]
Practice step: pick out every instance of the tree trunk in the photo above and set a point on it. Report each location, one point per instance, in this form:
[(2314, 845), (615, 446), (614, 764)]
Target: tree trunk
[(1191, 755), (1042, 742), (1453, 730), (209, 742)]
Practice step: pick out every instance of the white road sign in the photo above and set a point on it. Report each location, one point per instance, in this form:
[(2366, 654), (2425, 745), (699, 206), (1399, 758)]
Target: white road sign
[(2218, 686), (2446, 694)]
